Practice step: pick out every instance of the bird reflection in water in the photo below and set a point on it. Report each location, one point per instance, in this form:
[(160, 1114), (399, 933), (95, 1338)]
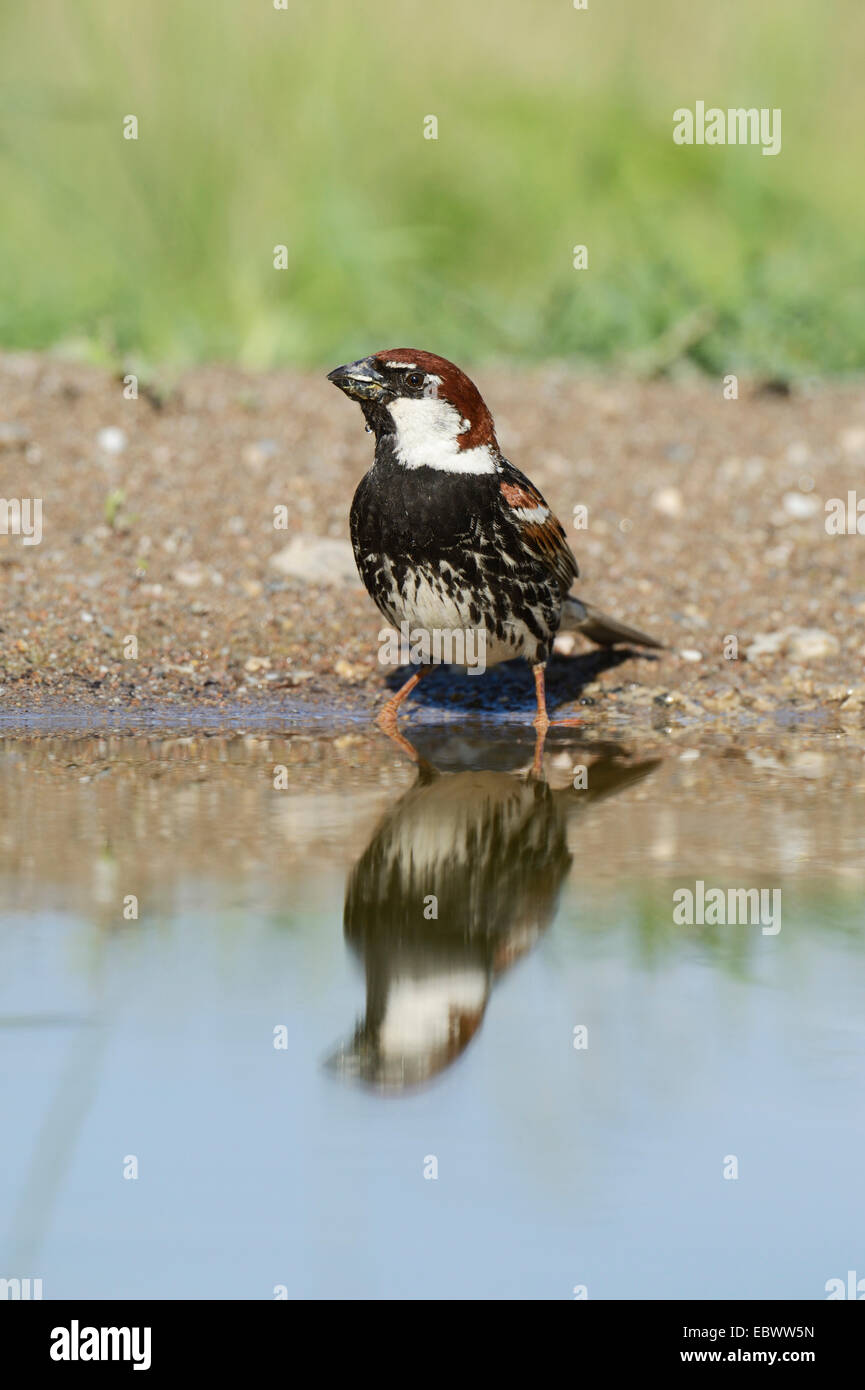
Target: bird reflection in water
[(460, 879)]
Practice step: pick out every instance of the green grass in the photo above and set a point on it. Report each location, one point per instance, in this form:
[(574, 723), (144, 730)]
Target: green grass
[(305, 127)]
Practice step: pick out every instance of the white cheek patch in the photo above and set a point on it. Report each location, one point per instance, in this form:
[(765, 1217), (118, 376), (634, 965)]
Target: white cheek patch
[(534, 514), (427, 436), (424, 1015)]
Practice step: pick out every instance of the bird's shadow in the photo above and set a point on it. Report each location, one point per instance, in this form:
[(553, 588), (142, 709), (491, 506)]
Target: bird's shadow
[(508, 687)]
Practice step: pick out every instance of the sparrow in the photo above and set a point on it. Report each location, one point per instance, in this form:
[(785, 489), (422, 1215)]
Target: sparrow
[(448, 535), (459, 882)]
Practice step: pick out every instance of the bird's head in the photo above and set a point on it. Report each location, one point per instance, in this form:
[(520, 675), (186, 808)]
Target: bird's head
[(434, 415)]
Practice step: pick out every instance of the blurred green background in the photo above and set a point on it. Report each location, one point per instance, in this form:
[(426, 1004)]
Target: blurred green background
[(304, 126)]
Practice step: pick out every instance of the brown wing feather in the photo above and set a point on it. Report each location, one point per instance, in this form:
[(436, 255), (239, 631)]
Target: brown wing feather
[(542, 536)]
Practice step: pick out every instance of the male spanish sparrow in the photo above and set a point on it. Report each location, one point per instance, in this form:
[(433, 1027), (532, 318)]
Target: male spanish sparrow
[(447, 534)]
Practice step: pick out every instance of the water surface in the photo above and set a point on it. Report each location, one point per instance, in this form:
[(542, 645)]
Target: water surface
[(338, 1040)]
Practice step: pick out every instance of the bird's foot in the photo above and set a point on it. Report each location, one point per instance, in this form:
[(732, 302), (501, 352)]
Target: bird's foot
[(386, 721), (386, 717)]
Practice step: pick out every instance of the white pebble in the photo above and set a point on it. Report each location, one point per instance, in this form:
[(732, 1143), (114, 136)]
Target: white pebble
[(811, 643), (690, 654), (190, 575), (317, 560), (111, 440), (798, 452), (668, 500), (766, 644), (852, 441), (258, 453), (799, 504)]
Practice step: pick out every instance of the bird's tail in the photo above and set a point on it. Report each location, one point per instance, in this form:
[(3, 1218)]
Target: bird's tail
[(579, 616)]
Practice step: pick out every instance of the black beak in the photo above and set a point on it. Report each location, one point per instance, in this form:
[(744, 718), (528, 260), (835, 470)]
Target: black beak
[(360, 380)]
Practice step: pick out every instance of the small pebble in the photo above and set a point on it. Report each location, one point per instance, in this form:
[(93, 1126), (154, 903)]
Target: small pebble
[(801, 505), (798, 453), (258, 453), (811, 644), (317, 560), (852, 441), (668, 501), (111, 440), (190, 575), (13, 435), (765, 644)]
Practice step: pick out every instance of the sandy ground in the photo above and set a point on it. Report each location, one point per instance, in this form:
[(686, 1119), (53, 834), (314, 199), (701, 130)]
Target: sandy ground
[(706, 526)]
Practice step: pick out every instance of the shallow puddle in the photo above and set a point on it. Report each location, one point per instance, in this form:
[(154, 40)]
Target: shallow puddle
[(291, 1013)]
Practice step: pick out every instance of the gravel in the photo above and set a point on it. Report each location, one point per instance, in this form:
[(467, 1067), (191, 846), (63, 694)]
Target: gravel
[(194, 545)]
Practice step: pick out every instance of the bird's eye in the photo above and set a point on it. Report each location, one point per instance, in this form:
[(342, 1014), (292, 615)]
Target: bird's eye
[(415, 379)]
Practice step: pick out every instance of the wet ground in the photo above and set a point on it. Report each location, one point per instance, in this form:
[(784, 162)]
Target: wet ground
[(282, 1010)]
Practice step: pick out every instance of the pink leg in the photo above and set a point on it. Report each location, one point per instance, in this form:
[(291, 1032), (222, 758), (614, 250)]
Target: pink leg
[(542, 721), (386, 718)]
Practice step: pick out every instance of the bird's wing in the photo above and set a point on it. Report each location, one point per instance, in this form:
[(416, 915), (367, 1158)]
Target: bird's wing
[(540, 532)]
